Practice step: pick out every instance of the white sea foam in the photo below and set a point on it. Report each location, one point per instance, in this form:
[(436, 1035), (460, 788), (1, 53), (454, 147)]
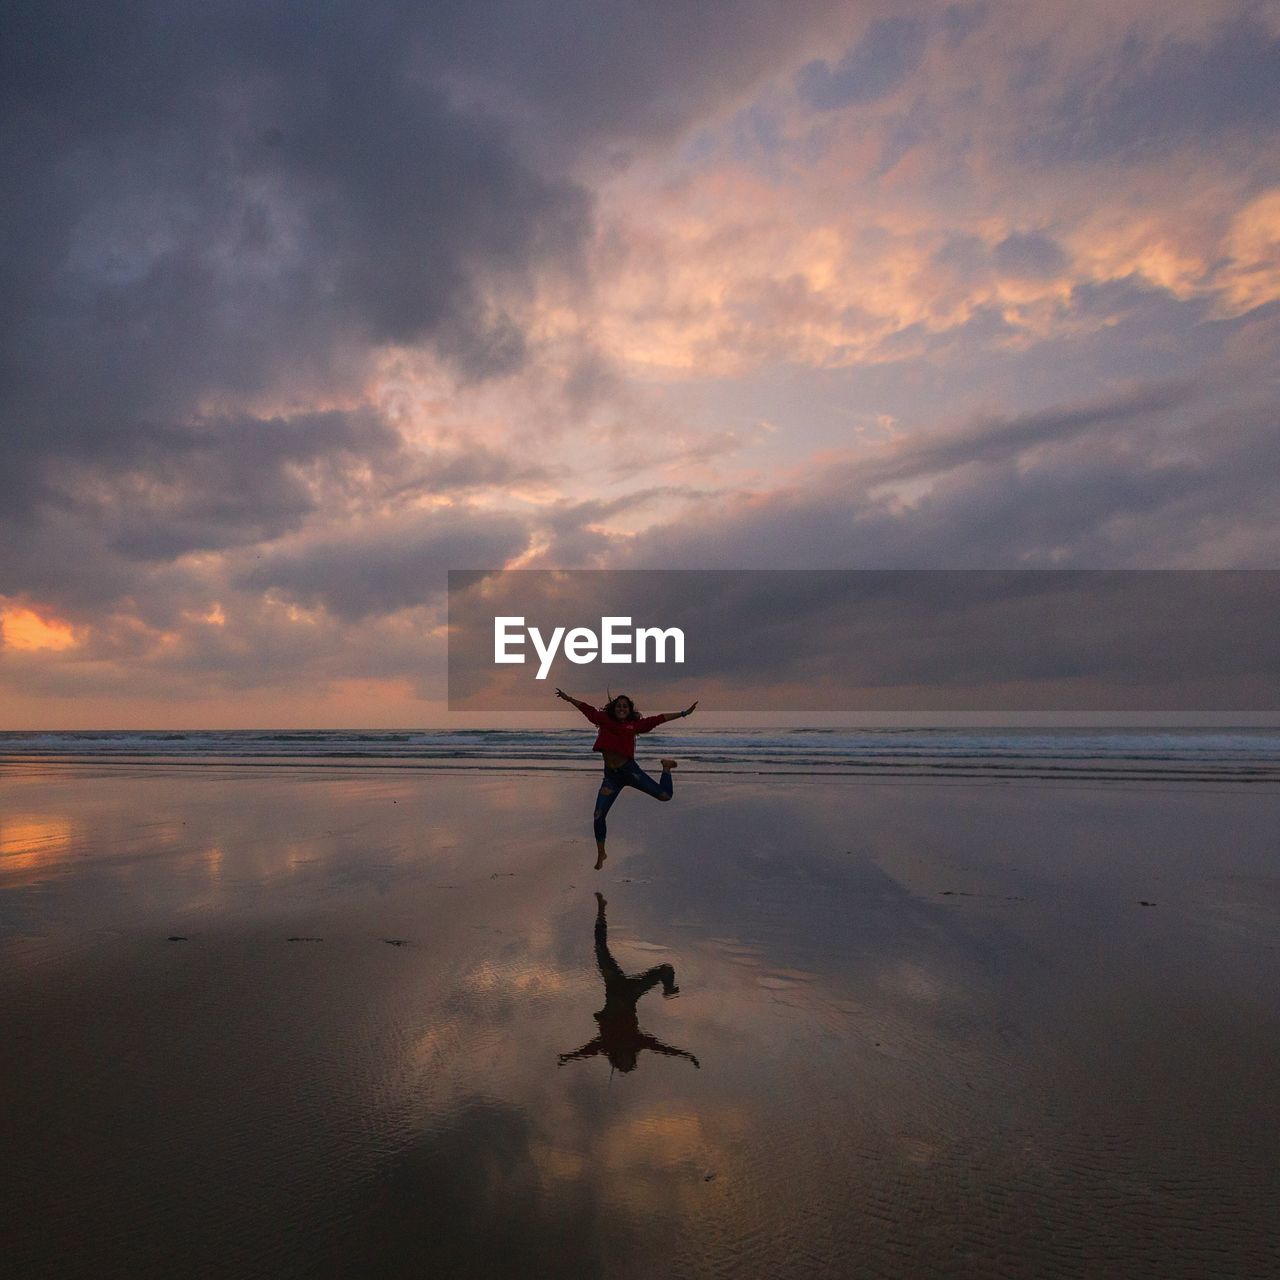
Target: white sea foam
[(1240, 754)]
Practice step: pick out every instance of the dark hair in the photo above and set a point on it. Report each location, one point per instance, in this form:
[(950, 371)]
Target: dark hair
[(614, 699)]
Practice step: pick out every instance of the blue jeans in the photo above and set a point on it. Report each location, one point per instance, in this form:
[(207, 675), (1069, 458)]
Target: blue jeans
[(630, 775)]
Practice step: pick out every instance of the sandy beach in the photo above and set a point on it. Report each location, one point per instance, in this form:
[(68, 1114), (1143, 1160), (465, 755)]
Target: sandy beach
[(295, 1021), (413, 412)]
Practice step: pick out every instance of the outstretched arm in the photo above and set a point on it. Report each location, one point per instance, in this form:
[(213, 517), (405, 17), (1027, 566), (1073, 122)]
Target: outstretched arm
[(586, 708), (588, 1050), (652, 722), (652, 1042)]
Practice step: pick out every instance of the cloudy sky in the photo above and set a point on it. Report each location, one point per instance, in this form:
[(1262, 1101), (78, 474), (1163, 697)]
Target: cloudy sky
[(305, 304)]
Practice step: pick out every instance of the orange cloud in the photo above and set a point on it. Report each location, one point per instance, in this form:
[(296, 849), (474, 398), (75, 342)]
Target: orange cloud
[(1253, 278), (33, 629), (832, 245)]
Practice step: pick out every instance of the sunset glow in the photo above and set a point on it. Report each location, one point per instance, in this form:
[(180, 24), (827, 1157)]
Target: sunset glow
[(27, 631), (387, 299)]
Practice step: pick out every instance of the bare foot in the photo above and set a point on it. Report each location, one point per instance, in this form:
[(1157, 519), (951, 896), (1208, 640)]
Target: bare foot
[(668, 765), (600, 855)]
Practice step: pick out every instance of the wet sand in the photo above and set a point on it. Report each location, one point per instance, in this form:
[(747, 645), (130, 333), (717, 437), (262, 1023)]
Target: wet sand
[(317, 1022)]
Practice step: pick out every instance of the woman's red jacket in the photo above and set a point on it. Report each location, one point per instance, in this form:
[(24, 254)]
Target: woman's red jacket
[(617, 735)]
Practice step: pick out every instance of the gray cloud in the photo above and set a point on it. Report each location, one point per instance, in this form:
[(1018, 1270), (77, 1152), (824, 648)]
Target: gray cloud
[(1029, 253), (1181, 473), (210, 202), (226, 485), (960, 21), (234, 481), (387, 565), (221, 208), (217, 204), (586, 72), (1163, 95), (889, 51), (1000, 440), (965, 254)]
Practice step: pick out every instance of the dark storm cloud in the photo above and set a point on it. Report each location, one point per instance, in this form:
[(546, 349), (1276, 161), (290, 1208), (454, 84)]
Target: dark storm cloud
[(209, 204), (999, 440), (225, 486), (474, 466), (390, 564), (1163, 95), (616, 71), (235, 481), (890, 50), (214, 199)]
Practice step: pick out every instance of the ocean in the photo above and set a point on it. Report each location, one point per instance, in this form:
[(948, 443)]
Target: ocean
[(1226, 755)]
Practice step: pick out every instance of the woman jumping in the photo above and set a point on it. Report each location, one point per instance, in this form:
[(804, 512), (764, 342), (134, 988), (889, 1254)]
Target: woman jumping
[(619, 722)]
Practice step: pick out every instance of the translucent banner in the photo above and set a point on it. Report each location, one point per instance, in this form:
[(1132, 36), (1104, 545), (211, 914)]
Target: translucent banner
[(869, 640)]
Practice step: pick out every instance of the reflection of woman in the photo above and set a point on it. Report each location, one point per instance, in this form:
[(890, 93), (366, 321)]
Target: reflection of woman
[(619, 722), (620, 1038)]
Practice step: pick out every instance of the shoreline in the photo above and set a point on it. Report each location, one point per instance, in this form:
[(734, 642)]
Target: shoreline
[(943, 770)]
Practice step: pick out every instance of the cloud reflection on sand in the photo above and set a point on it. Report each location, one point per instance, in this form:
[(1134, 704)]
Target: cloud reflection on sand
[(903, 1000)]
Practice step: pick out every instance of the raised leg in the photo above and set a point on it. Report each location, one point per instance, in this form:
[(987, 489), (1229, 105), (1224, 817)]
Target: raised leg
[(636, 777), (661, 973)]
